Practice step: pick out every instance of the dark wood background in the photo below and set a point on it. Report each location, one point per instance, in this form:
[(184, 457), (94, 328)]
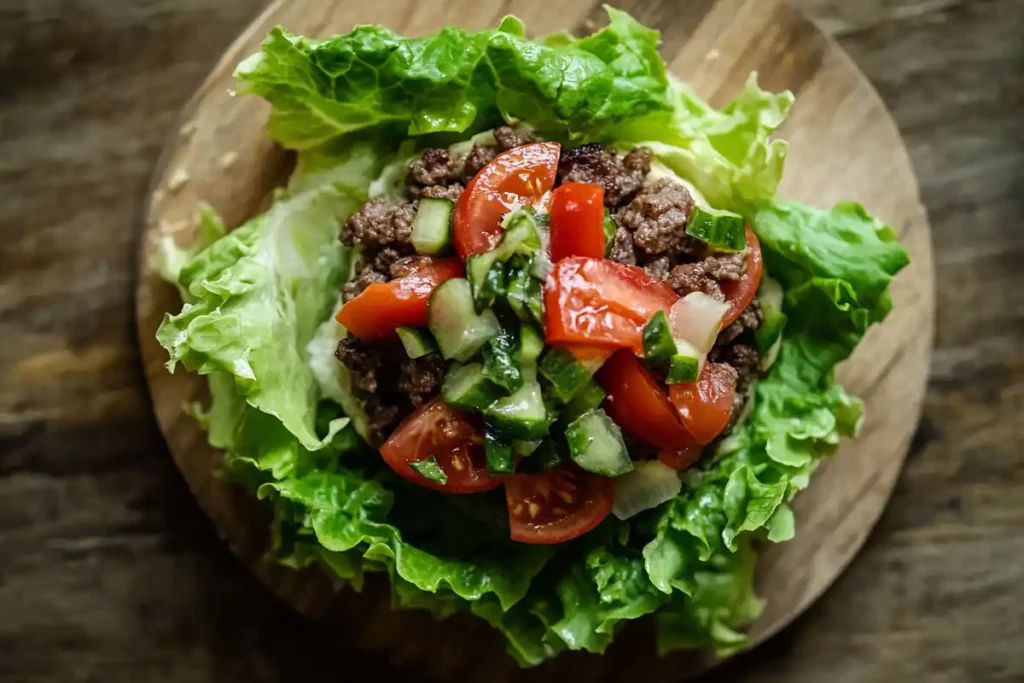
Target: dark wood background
[(109, 572)]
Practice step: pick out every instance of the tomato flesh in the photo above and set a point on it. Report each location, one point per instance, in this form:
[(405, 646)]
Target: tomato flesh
[(741, 292), (601, 302), (381, 307), (557, 505), (705, 406), (680, 458), (639, 405), (520, 176), (577, 221), (437, 430)]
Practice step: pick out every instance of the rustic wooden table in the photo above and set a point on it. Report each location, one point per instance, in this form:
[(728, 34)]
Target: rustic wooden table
[(109, 572)]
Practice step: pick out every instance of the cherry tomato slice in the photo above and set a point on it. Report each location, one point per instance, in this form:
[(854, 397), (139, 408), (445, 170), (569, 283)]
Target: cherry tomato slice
[(600, 302), (381, 307), (740, 293), (436, 429), (557, 505), (705, 406), (639, 404), (512, 179), (577, 221), (682, 458)]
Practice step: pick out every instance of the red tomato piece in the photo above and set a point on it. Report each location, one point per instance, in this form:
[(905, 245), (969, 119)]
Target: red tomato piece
[(602, 303), (383, 306), (439, 430), (741, 292), (638, 403), (682, 458), (557, 505), (520, 176), (577, 221), (705, 406)]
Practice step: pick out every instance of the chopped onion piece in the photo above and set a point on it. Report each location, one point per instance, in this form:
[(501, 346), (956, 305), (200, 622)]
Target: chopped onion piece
[(649, 485), (697, 318)]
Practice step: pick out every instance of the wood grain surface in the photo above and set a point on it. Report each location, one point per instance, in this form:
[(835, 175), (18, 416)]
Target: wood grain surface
[(108, 571), (714, 44)]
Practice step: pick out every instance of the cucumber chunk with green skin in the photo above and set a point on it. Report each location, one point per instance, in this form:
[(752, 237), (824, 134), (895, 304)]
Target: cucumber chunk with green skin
[(544, 457), (721, 230), (595, 443), (501, 456), (531, 343), (566, 375), (682, 370), (500, 364), (416, 341), (431, 228), (466, 386), (525, 296), (522, 415), (770, 294), (588, 398), (659, 346), (526, 448), (484, 271), (459, 329), (609, 232), (430, 470)]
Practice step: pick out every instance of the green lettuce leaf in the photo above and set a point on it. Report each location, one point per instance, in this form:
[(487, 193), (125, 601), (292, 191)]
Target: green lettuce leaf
[(256, 296), (464, 557), (453, 81), (727, 154)]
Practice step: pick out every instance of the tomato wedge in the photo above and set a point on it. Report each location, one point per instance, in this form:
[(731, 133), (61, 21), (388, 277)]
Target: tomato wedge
[(740, 293), (512, 179), (577, 221), (705, 406), (436, 429), (557, 505), (682, 458), (382, 307), (600, 302), (639, 404)]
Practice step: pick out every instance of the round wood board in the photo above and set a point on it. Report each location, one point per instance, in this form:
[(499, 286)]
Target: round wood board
[(843, 145)]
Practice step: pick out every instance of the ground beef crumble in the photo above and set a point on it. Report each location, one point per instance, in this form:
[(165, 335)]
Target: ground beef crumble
[(388, 383), (596, 164), (380, 224)]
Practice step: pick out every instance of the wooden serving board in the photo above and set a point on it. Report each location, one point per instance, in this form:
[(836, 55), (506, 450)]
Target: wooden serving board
[(843, 145)]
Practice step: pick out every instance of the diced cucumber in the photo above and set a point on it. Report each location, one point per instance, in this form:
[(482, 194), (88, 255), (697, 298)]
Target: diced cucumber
[(595, 443), (522, 415), (531, 343), (721, 230), (609, 232), (466, 386), (526, 448), (525, 296), (521, 237), (500, 364), (659, 346), (459, 330), (771, 295), (546, 455), (588, 398), (685, 364), (501, 456), (431, 228), (566, 374), (430, 470), (417, 341)]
